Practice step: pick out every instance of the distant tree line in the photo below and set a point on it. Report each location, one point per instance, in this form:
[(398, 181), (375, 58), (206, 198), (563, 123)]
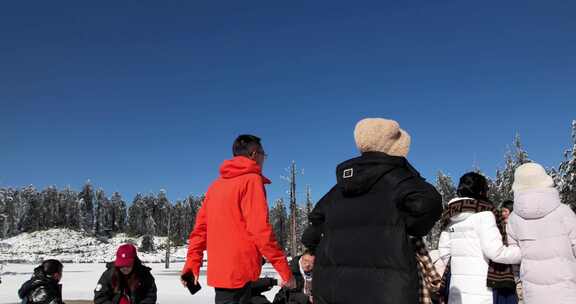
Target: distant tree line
[(91, 211), (28, 210), (500, 190)]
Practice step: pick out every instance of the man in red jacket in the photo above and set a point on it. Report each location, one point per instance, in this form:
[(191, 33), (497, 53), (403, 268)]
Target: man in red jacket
[(232, 226)]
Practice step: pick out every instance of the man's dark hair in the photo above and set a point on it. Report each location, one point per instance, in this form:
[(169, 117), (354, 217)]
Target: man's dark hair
[(473, 185), (51, 267), (308, 252), (508, 204), (245, 144)]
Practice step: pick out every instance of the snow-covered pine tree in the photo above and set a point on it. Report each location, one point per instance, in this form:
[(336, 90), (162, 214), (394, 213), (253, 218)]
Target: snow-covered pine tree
[(293, 216), (177, 224), (50, 208), (3, 214), (160, 213), (513, 159), (100, 212), (149, 225), (279, 222), (567, 172), (494, 194), (62, 210), (302, 223), (69, 198), (556, 177), (118, 213), (31, 211), (9, 212), (136, 216), (192, 206), (308, 207), (447, 190), (147, 244), (187, 219), (309, 204), (86, 201)]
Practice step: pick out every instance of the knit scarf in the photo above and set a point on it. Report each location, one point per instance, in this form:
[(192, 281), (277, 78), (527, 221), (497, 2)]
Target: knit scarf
[(499, 275), (429, 278)]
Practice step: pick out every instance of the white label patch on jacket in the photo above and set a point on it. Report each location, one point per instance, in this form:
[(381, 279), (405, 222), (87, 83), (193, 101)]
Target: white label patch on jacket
[(98, 287), (348, 173)]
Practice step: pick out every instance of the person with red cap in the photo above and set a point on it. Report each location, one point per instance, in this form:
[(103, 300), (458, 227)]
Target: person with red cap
[(233, 227), (126, 280)]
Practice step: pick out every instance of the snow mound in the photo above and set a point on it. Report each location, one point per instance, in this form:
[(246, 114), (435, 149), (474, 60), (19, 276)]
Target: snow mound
[(76, 247)]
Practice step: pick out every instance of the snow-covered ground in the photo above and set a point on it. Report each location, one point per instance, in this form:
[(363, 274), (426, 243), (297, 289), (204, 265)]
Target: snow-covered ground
[(84, 258), (75, 247), (80, 280)]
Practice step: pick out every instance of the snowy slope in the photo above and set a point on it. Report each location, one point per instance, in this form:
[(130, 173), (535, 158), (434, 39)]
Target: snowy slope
[(75, 247)]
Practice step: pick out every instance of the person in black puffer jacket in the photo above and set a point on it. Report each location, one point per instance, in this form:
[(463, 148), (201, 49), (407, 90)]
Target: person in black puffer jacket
[(126, 281), (361, 228), (43, 287)]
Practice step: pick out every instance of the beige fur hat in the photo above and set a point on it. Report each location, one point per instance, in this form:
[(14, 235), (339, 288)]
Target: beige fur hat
[(381, 135), (530, 176)]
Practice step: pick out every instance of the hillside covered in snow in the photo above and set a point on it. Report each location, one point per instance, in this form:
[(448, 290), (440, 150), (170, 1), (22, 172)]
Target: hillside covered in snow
[(75, 247)]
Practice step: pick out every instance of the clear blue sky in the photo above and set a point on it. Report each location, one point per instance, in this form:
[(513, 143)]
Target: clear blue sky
[(142, 95)]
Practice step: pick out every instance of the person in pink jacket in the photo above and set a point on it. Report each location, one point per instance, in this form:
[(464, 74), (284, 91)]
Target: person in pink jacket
[(545, 230)]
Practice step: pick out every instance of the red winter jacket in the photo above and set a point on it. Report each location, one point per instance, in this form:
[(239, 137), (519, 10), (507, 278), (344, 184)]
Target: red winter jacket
[(232, 225)]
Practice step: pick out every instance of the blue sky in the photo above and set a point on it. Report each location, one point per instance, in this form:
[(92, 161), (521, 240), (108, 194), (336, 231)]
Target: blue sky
[(142, 95)]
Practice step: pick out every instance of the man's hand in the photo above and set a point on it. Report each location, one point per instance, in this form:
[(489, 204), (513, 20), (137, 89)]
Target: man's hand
[(290, 284), (185, 283)]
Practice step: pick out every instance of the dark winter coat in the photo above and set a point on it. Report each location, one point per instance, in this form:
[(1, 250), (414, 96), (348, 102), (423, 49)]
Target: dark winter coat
[(41, 289), (359, 231), (260, 286), (142, 292), (295, 295)]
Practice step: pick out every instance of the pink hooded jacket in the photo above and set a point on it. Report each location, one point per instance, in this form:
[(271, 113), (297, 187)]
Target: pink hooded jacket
[(545, 230)]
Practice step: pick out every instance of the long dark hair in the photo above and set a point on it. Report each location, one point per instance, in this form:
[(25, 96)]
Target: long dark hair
[(121, 282), (473, 185), (52, 267)]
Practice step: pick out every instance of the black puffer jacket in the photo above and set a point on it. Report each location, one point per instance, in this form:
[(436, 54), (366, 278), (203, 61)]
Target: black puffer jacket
[(360, 230), (144, 293), (41, 289)]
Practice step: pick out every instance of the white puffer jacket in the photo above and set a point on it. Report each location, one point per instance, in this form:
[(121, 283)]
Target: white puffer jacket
[(470, 242), (546, 232)]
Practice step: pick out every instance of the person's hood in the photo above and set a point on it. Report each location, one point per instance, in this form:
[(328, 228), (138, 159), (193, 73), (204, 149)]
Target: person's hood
[(536, 203), (39, 278), (462, 216), (358, 175), (240, 165)]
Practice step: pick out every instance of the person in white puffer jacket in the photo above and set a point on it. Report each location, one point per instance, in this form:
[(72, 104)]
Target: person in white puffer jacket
[(470, 240), (546, 232)]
